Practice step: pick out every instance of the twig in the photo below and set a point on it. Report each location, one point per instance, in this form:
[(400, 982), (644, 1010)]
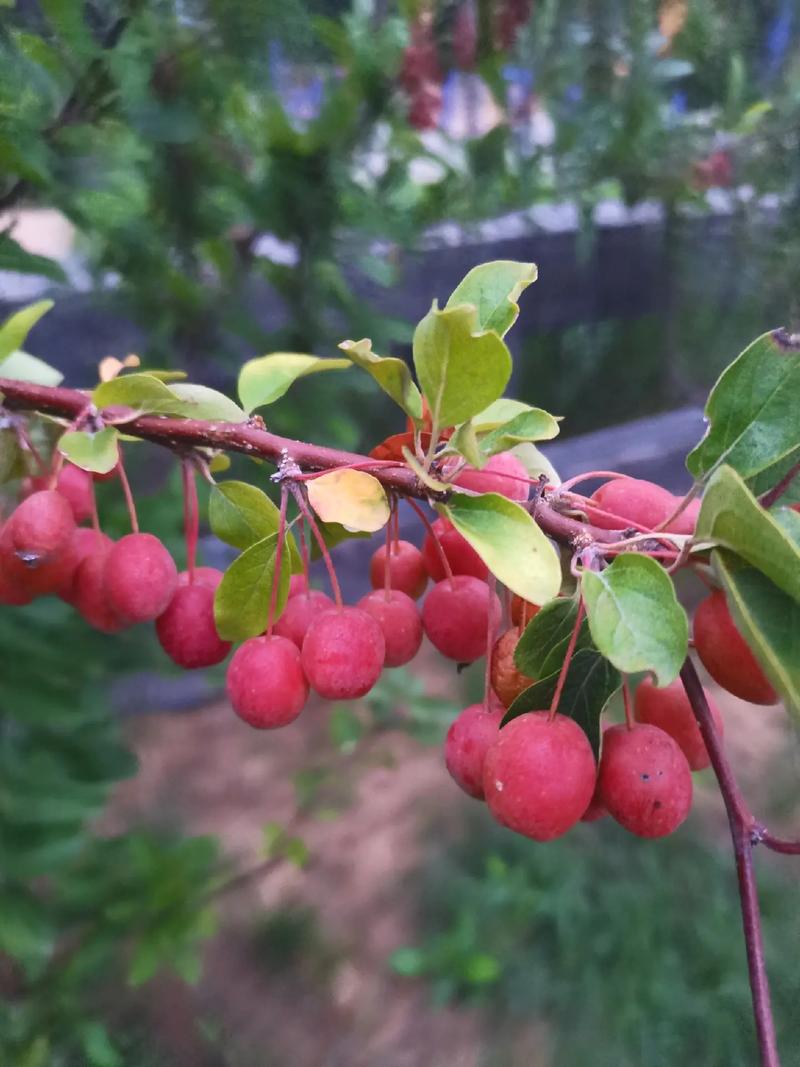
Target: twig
[(777, 491)]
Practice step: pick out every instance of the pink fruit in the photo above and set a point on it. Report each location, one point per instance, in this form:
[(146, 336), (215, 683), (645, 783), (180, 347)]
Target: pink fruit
[(400, 623), (461, 556), (209, 576), (669, 709), (265, 682), (343, 653), (726, 655), (41, 525), (187, 631), (455, 617), (407, 571), (140, 578), (468, 740), (299, 613), (503, 473)]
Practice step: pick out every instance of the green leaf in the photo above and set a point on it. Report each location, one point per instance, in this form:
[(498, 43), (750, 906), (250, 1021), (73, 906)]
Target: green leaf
[(352, 498), (15, 258), (10, 456), (15, 329), (264, 380), (200, 402), (498, 412), (731, 517), (241, 602), (769, 621), (436, 485), (493, 289), (240, 514), (461, 370), (141, 392), (391, 374), (541, 648), (97, 452), (536, 463), (333, 534), (533, 425), (465, 442), (509, 542), (408, 962), (590, 683), (26, 932), (22, 367), (634, 617), (752, 410), (771, 476)]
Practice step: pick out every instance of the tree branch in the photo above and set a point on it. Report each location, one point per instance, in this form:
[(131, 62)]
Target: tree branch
[(251, 440), (742, 826)]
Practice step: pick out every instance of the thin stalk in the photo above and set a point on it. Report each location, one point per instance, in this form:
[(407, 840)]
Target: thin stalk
[(323, 548), (562, 676)]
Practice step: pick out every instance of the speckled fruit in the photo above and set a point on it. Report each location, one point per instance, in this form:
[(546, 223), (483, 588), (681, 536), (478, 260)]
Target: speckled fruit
[(644, 780), (507, 681), (26, 576), (186, 630), (75, 485), (83, 543), (455, 617), (669, 709), (41, 525), (208, 576), (461, 556), (298, 614), (407, 571), (89, 591), (265, 682), (343, 653), (400, 623), (539, 776), (633, 501), (469, 738), (503, 473), (725, 654), (522, 611), (140, 578)]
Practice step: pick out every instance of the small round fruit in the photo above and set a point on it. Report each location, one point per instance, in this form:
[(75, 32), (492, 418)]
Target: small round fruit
[(209, 576), (343, 653), (41, 525), (187, 631), (33, 576), (644, 780), (83, 543), (469, 738), (669, 709), (75, 485), (141, 578), (456, 616), (12, 593), (460, 554), (407, 571), (298, 583), (687, 520), (507, 681), (299, 613), (539, 776), (265, 682), (88, 594), (522, 611), (503, 473), (631, 500), (400, 623), (726, 655)]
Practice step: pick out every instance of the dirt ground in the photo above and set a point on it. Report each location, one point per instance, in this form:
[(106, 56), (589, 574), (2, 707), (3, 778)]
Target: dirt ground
[(208, 773)]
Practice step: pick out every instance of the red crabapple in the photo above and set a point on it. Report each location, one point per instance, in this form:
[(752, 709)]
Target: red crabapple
[(298, 614), (644, 780), (187, 631), (265, 682), (503, 473), (298, 583), (687, 520), (407, 570), (343, 653), (33, 577), (75, 485), (140, 577), (41, 525), (507, 681), (726, 655), (468, 740), (461, 556), (455, 616), (522, 611), (83, 543), (88, 593), (669, 709), (209, 576), (631, 500), (11, 592), (539, 776), (400, 623)]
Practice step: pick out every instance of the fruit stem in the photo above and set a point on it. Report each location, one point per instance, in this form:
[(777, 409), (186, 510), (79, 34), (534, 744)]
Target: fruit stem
[(323, 548), (744, 836), (448, 571), (562, 676), (387, 576), (191, 516), (568, 484), (491, 637), (276, 573), (774, 494), (682, 505), (304, 552), (126, 489)]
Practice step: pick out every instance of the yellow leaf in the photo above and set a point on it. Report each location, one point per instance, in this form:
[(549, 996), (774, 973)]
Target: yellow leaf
[(353, 498)]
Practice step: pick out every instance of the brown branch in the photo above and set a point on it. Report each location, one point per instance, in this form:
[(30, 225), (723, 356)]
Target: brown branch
[(251, 440), (742, 827), (776, 492)]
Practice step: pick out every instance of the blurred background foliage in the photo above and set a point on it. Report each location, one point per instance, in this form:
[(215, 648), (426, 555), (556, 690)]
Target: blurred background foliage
[(243, 175)]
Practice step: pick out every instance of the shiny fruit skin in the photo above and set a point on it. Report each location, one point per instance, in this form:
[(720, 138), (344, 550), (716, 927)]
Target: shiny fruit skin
[(455, 616), (726, 655), (187, 631), (265, 682), (298, 583), (539, 776), (299, 613), (461, 556), (644, 780), (400, 623), (631, 500), (41, 525), (471, 735), (504, 474), (507, 681), (88, 594), (208, 576), (407, 571), (140, 577), (343, 653), (669, 709)]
